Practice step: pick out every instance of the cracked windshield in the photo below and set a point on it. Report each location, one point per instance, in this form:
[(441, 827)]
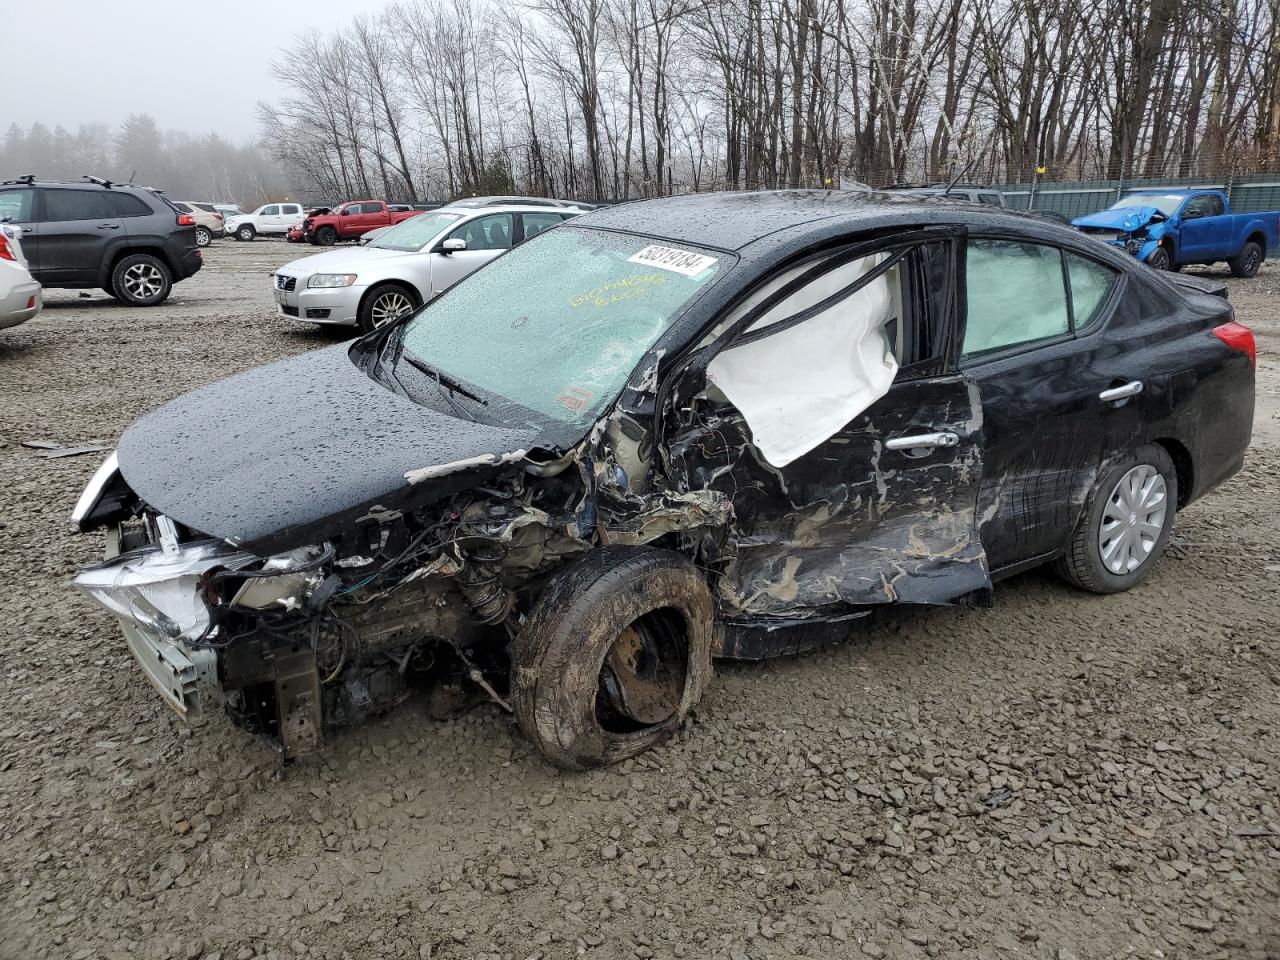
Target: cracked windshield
[(558, 324)]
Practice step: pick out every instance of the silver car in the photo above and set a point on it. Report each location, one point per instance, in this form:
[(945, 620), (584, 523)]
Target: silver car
[(405, 266)]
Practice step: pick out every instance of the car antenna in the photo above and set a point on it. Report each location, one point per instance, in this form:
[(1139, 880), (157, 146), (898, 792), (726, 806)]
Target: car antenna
[(959, 177)]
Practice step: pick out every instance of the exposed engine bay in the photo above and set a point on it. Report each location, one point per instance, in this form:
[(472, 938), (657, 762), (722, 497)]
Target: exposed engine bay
[(324, 636)]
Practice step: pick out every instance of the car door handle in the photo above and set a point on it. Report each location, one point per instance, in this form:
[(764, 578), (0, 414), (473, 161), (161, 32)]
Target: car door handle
[(923, 441), (1130, 389), (108, 226)]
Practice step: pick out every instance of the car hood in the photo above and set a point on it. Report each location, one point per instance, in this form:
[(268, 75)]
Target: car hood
[(293, 452), (347, 260), (1124, 219)]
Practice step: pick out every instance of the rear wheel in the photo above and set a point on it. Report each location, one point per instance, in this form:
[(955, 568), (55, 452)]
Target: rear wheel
[(246, 232), (386, 304), (141, 280), (326, 236), (1126, 525), (203, 237), (615, 654), (1246, 263)]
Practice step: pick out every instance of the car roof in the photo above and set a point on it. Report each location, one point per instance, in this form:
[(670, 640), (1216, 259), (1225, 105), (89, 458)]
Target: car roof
[(499, 208), (734, 221), (1168, 191)]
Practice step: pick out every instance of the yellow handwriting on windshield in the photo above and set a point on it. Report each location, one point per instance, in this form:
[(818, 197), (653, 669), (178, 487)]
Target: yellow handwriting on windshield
[(615, 291)]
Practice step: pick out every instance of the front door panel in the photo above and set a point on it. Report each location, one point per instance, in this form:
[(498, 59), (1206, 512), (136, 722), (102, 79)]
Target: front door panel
[(853, 522)]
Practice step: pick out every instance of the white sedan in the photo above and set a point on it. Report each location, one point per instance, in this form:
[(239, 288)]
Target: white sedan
[(20, 296), (405, 266)]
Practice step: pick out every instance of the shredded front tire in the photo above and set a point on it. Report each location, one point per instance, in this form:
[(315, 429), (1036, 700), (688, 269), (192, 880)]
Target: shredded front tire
[(613, 658)]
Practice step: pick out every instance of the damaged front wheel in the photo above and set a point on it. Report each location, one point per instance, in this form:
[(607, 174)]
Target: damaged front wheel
[(616, 653)]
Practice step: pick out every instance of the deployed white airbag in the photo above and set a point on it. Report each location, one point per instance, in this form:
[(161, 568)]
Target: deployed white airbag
[(799, 386)]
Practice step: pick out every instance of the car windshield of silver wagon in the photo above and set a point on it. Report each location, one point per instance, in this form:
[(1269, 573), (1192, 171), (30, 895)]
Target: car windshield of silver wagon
[(1166, 203), (415, 233), (558, 324)]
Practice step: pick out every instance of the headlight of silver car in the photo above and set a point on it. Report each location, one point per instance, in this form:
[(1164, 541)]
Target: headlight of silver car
[(331, 280)]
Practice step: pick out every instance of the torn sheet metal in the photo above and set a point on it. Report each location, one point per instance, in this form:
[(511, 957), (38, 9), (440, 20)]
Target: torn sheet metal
[(854, 523), (797, 384)]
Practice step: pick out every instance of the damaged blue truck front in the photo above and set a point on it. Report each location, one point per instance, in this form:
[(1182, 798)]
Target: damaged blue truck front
[(1169, 229)]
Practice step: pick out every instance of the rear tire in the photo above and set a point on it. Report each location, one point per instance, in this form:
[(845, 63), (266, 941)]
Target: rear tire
[(615, 654), (385, 304), (326, 236), (203, 237), (246, 232), (141, 280), (1246, 263), (1126, 524)]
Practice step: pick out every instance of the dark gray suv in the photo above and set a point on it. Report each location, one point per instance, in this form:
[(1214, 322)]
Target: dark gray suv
[(128, 240)]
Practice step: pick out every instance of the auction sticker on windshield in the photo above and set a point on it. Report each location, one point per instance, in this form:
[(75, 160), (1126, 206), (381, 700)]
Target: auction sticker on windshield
[(670, 258)]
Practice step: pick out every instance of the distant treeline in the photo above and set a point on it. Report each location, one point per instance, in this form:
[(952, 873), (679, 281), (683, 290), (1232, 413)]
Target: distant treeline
[(186, 167)]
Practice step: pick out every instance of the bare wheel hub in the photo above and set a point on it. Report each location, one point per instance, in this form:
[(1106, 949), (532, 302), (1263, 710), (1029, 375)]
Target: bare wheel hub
[(643, 676)]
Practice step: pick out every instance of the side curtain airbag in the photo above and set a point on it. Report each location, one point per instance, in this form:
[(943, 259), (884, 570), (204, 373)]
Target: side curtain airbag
[(797, 387)]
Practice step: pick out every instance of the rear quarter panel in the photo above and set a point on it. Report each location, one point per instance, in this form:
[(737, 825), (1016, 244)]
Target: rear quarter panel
[(1200, 392)]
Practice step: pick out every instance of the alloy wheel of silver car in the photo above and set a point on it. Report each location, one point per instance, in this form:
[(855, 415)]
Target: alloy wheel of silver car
[(143, 281), (389, 306), (1133, 520)]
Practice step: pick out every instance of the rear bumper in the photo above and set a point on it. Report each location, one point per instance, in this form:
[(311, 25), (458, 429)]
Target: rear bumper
[(22, 303), (190, 264)]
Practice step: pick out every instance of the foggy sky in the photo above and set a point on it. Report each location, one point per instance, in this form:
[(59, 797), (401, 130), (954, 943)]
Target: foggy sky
[(199, 66)]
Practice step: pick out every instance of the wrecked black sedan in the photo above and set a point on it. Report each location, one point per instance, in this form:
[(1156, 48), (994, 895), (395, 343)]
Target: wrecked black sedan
[(708, 426)]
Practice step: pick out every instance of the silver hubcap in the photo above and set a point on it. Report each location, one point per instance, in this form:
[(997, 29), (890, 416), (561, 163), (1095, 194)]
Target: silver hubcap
[(388, 307), (143, 280), (202, 237), (1133, 519)]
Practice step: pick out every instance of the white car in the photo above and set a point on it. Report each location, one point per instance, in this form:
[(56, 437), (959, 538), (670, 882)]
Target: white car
[(270, 219), (20, 296), (406, 266)]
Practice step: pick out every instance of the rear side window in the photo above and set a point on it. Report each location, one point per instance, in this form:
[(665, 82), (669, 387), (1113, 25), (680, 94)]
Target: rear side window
[(1091, 285), (185, 208), (63, 205), (1024, 293), (207, 207), (370, 208), (1016, 294), (127, 205), (291, 208), (536, 223), (15, 205), (990, 198)]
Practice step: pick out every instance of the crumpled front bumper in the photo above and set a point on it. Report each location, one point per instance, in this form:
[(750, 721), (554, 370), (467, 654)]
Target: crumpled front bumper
[(185, 678)]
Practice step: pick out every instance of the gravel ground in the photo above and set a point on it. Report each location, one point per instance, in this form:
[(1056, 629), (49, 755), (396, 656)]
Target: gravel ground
[(1061, 776)]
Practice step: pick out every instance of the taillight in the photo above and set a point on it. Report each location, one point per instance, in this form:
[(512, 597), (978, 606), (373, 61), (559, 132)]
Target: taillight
[(6, 251), (218, 217), (186, 220), (1238, 337)]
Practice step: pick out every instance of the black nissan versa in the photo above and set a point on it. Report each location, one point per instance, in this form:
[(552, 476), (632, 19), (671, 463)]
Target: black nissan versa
[(128, 240), (708, 426)]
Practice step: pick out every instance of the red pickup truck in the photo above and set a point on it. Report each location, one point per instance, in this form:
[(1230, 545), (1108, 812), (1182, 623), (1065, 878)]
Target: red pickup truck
[(350, 220)]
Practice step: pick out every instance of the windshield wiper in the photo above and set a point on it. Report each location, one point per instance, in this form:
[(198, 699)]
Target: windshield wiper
[(447, 382)]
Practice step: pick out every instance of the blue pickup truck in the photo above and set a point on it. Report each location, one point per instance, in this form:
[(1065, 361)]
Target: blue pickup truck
[(1169, 229)]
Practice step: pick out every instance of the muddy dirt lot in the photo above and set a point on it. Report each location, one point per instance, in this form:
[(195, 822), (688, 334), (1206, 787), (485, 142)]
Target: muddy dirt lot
[(1061, 776)]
